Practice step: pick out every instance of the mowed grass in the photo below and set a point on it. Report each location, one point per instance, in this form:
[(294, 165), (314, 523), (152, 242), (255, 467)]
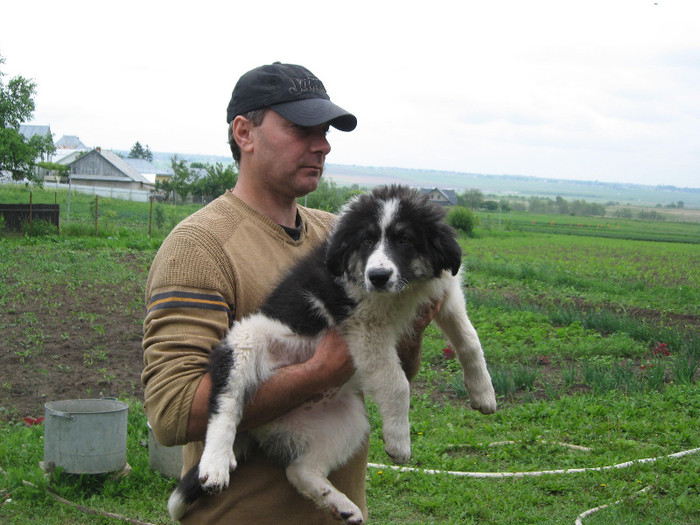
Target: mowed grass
[(571, 327)]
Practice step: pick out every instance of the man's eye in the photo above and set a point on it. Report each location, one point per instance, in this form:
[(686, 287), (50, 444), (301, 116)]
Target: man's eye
[(310, 130)]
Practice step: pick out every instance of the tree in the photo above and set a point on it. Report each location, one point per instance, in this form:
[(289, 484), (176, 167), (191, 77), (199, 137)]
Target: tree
[(16, 100), (217, 180), (471, 198), (562, 205), (182, 180), (139, 152), (17, 154), (328, 196)]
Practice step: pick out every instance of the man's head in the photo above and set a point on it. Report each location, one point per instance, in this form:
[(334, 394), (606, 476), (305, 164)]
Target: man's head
[(289, 90)]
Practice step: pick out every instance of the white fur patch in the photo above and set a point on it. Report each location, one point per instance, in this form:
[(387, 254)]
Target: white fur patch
[(379, 260)]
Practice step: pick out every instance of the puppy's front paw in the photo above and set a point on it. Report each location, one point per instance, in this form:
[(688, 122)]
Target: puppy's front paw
[(214, 471)]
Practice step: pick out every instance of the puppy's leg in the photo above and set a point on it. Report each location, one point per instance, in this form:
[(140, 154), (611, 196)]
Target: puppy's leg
[(384, 380), (310, 479), (321, 437), (454, 322), (237, 367)]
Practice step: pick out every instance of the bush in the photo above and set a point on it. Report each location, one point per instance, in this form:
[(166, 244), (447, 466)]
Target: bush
[(39, 228), (462, 219)]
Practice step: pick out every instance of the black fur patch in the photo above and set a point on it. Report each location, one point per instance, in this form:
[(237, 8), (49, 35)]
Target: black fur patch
[(312, 277), (220, 364), (189, 486)]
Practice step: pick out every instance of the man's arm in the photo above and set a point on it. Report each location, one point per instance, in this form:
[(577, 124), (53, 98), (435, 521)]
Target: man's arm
[(330, 366)]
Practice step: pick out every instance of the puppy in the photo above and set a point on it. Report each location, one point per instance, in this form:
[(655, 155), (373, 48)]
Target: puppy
[(390, 253)]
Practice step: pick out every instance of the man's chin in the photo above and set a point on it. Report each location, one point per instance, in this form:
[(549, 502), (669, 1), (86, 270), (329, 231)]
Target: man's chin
[(308, 185)]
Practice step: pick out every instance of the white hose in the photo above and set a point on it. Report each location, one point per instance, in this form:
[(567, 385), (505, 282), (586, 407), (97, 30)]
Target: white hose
[(543, 472)]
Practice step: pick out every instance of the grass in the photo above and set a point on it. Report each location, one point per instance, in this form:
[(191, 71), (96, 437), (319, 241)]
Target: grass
[(446, 436), (682, 231), (571, 326), (615, 428)]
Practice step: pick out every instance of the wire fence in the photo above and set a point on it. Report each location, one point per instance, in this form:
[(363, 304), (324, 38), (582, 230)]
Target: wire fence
[(114, 193)]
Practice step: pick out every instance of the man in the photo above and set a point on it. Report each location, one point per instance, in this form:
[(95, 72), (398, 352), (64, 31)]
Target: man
[(219, 264)]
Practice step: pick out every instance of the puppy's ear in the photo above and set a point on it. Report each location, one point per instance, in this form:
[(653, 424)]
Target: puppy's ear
[(334, 255), (447, 253)]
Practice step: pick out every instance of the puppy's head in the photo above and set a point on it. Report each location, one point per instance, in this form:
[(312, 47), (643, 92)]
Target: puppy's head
[(391, 237)]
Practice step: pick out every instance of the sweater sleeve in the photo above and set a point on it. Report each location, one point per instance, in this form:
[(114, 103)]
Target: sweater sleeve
[(189, 300)]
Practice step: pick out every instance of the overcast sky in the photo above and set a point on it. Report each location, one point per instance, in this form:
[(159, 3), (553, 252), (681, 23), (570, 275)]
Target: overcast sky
[(603, 90)]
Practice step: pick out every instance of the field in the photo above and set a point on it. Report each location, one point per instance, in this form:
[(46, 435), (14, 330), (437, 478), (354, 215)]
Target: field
[(591, 340)]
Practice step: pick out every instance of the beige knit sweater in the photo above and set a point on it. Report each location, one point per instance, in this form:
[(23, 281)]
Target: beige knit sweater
[(218, 265)]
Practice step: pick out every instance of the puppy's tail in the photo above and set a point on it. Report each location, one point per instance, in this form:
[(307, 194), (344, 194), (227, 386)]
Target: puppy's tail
[(187, 491)]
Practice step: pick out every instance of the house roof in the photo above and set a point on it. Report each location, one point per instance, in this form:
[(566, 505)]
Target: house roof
[(29, 130), (68, 159), (109, 156), (450, 195), (70, 142), (141, 165), (122, 165)]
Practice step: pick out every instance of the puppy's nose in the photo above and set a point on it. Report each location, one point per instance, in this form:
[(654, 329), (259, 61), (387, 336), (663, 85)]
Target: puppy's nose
[(379, 276)]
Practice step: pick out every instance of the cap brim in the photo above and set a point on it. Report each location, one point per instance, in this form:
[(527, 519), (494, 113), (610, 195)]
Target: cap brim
[(315, 111)]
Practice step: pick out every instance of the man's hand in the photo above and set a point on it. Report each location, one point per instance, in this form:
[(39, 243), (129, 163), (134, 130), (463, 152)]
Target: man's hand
[(332, 362)]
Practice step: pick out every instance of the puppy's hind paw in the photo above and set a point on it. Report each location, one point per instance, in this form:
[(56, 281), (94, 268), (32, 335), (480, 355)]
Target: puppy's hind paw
[(347, 512), (397, 446), (398, 456)]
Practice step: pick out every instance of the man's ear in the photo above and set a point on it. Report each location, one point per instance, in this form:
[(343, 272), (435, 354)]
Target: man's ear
[(243, 133)]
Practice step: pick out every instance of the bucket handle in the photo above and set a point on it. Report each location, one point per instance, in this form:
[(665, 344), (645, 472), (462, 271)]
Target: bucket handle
[(65, 415)]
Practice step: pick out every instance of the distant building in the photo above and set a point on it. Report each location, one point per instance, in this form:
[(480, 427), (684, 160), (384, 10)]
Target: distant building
[(103, 168), (149, 170), (68, 144), (31, 130), (441, 197)]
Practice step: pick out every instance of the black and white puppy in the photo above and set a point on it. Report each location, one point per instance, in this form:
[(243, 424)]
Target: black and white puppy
[(390, 253)]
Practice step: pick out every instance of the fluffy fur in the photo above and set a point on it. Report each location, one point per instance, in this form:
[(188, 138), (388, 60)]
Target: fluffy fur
[(390, 253)]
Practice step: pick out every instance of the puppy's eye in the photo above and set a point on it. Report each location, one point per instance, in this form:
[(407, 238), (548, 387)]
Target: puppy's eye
[(367, 242)]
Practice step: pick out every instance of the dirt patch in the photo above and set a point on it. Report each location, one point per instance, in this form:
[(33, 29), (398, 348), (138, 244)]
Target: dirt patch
[(70, 343)]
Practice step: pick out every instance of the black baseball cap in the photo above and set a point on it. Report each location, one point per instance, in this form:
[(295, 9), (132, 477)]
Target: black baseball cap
[(291, 91)]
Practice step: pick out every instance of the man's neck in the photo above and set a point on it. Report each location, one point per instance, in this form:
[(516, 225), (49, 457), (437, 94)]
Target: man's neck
[(281, 210)]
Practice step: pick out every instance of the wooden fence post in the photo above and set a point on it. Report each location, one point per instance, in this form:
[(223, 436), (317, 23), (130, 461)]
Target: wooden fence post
[(150, 215)]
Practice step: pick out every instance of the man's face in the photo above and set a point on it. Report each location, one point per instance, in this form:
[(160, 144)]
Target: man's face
[(288, 156)]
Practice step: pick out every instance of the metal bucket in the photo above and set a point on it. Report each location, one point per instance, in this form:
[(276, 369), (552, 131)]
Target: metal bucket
[(166, 460), (85, 436)]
